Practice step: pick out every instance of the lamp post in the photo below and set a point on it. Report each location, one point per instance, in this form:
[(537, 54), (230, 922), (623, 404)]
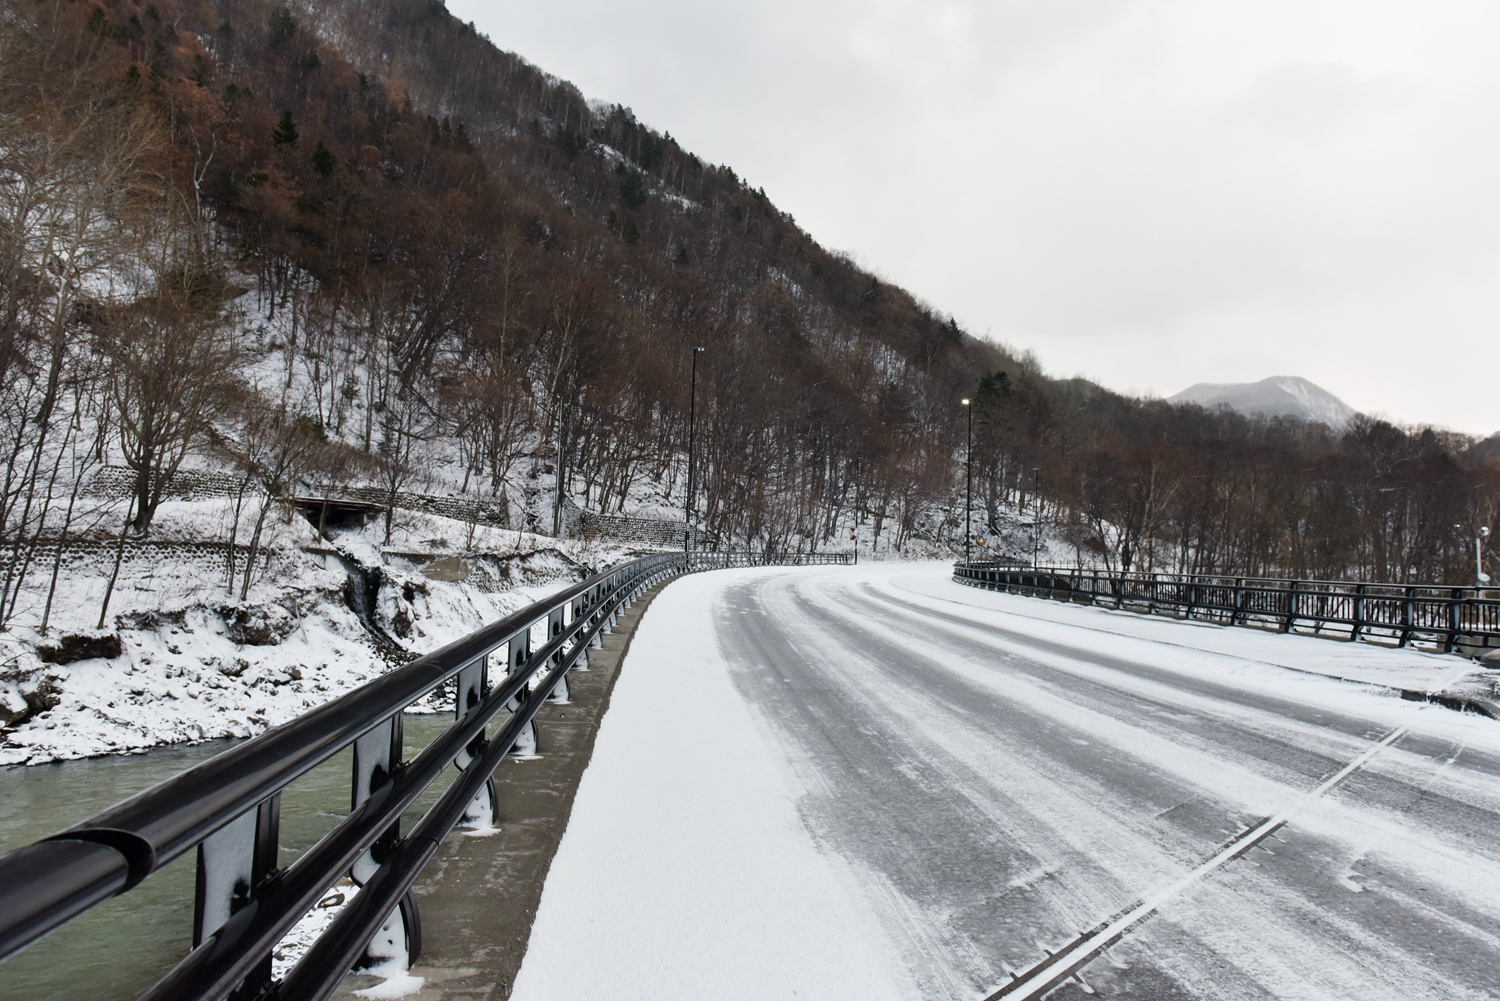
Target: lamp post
[(969, 483), (1479, 574), (687, 507), (1036, 514)]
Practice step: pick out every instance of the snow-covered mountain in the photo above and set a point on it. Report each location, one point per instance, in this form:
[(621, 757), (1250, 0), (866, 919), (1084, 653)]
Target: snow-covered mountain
[(1278, 396)]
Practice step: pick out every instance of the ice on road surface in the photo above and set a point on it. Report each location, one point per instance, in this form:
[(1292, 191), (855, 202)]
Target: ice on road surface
[(874, 782)]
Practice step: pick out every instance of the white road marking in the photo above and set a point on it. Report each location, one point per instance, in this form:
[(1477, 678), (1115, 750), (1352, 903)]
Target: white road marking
[(1062, 965)]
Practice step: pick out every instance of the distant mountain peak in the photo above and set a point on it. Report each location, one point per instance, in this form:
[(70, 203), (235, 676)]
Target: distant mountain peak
[(1278, 396)]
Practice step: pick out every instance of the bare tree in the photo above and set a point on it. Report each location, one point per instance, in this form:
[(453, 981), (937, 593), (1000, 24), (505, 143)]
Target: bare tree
[(171, 353), (277, 441)]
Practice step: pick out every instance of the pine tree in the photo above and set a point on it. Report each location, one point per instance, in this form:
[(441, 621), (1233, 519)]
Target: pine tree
[(283, 27), (323, 159), (285, 133)]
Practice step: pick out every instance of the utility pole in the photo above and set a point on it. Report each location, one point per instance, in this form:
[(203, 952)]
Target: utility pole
[(969, 484), (687, 507)]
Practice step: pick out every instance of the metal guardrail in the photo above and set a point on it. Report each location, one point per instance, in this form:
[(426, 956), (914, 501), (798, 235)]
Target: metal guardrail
[(229, 807), (1447, 617)]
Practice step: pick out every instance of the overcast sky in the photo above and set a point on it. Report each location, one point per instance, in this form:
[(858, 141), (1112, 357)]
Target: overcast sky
[(1148, 193)]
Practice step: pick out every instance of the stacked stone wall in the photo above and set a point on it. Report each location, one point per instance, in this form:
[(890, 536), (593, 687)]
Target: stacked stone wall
[(204, 484)]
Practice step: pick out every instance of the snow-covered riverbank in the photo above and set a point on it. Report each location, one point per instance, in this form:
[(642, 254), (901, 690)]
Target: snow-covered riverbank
[(183, 660)]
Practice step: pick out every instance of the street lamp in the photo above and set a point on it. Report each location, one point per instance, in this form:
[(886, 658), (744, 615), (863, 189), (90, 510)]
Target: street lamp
[(1484, 578), (687, 507), (969, 484), (1036, 514)]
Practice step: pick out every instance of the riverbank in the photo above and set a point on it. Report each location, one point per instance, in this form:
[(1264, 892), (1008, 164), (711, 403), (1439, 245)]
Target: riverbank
[(182, 659)]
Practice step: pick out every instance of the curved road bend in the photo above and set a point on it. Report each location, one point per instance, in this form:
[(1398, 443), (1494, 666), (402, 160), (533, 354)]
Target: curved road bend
[(992, 775)]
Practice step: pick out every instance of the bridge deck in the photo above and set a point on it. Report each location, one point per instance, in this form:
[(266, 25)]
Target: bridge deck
[(876, 783)]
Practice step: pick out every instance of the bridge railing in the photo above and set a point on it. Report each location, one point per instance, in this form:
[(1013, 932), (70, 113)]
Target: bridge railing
[(228, 808), (1442, 616), (719, 561)]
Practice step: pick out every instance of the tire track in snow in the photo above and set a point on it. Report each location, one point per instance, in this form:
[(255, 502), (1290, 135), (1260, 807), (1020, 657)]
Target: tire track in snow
[(1063, 964), (819, 628)]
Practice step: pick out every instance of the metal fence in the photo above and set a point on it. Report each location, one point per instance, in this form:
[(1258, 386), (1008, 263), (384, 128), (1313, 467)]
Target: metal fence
[(716, 561), (228, 808), (1451, 618)]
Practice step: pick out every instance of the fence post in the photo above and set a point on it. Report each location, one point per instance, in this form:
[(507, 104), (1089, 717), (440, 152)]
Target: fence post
[(1454, 597), (1359, 612), (1405, 617)]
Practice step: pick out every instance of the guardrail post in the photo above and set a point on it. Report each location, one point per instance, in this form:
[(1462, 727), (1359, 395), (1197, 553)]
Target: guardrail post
[(559, 691), (473, 685), (232, 863), (594, 596), (576, 620), (606, 593), (518, 654), (377, 755)]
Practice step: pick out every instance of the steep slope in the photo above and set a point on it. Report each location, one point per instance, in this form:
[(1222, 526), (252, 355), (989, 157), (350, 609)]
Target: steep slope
[(365, 228)]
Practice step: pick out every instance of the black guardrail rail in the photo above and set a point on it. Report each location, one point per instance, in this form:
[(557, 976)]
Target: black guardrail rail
[(229, 806), (1450, 618)]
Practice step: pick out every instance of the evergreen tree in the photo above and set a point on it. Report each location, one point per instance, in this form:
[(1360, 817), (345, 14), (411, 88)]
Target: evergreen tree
[(285, 133), (283, 27), (323, 159)]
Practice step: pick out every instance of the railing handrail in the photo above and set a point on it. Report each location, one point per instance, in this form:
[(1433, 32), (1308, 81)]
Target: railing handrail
[(167, 823), (1225, 578), (157, 825), (46, 884), (1467, 615)]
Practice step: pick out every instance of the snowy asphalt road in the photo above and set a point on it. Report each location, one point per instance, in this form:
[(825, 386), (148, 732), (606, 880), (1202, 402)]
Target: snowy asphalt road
[(993, 775)]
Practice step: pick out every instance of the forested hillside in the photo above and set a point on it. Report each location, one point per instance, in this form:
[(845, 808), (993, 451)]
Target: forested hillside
[(335, 243)]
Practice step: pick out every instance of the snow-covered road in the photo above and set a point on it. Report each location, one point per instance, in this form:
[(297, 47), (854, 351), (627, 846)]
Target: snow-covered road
[(872, 782)]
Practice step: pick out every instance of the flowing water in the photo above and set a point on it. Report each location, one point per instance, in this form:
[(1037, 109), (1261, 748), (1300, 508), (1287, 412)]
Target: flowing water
[(120, 948)]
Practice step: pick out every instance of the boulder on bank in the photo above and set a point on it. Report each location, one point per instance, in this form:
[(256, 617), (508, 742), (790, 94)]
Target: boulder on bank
[(257, 625), (80, 646)]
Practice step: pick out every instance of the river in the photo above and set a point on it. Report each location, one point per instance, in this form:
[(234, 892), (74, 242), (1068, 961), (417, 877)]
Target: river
[(117, 950)]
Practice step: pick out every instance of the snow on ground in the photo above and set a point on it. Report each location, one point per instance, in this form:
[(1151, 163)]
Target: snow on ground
[(197, 663), (1057, 620), (685, 871), (880, 782)]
